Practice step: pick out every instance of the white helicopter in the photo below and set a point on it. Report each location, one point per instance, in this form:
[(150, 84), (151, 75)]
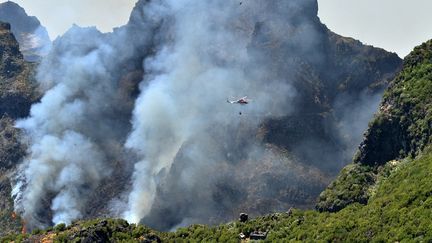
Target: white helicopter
[(241, 101)]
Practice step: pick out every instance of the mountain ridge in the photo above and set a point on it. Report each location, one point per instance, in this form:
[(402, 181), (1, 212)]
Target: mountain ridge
[(17, 94), (32, 36)]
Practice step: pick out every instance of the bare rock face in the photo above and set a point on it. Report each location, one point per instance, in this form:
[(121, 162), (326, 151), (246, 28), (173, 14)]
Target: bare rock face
[(17, 93), (31, 35), (304, 151), (11, 57), (11, 151)]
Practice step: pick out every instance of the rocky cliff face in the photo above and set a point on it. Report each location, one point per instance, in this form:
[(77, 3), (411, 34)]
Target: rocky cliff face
[(12, 59), (17, 93), (31, 35), (334, 77), (401, 129)]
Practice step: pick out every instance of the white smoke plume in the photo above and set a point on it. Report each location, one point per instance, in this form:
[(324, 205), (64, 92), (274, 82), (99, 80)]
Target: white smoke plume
[(75, 133), (63, 159), (202, 63), (67, 129)]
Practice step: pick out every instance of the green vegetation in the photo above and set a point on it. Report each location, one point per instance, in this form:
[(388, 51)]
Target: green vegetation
[(351, 186), (411, 96), (92, 230), (401, 129)]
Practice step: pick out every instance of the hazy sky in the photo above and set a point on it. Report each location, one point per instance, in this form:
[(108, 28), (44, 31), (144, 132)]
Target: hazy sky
[(59, 15), (395, 25)]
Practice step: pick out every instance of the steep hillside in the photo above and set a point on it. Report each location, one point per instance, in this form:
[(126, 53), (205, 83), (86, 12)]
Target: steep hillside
[(31, 35), (337, 82), (17, 93), (401, 129), (16, 89), (396, 185)]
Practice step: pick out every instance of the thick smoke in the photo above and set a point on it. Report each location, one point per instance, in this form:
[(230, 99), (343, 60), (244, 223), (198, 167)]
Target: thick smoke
[(63, 159), (185, 89), (135, 123), (76, 130)]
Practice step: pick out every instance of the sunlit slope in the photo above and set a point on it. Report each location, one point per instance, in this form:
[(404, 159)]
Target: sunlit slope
[(402, 128)]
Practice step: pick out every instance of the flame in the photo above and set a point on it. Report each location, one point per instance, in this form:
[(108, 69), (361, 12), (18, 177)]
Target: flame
[(23, 223), (24, 228)]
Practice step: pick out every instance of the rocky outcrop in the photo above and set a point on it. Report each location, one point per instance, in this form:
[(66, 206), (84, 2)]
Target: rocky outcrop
[(11, 58), (11, 152), (326, 72), (31, 35), (17, 93)]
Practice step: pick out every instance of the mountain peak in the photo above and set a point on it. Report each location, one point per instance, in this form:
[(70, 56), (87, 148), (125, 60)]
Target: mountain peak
[(13, 13), (9, 52), (31, 35)]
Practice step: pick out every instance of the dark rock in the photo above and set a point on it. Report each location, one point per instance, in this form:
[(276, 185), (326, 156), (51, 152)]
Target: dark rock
[(383, 141), (243, 217), (96, 235), (11, 58), (5, 26), (289, 212), (11, 153), (17, 89), (151, 239), (11, 150)]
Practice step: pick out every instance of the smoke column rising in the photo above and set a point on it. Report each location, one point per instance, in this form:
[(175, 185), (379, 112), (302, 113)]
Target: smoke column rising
[(196, 55), (69, 131), (185, 88)]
